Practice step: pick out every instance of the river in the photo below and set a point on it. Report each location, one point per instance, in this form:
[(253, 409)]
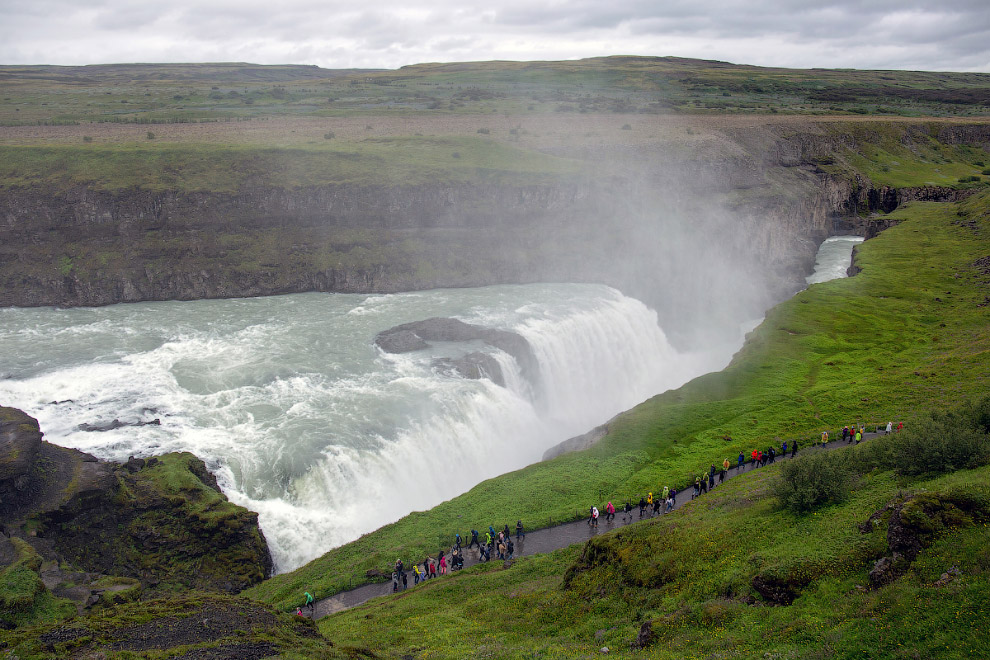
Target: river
[(304, 420)]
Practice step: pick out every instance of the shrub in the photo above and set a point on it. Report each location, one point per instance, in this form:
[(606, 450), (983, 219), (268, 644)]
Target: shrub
[(484, 131), (986, 171), (87, 138), (626, 127), (329, 135), (150, 135), (967, 179), (813, 480), (942, 442)]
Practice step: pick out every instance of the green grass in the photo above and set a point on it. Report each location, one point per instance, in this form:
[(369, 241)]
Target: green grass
[(623, 85), (209, 168), (24, 599), (905, 335), (691, 574)]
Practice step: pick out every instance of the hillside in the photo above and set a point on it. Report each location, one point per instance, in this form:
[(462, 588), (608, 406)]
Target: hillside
[(906, 335), (151, 182)]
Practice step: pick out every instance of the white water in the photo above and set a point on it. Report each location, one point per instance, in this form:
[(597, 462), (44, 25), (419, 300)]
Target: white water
[(834, 256), (305, 421)]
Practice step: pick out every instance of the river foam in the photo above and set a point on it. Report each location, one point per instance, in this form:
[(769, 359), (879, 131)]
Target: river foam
[(304, 420)]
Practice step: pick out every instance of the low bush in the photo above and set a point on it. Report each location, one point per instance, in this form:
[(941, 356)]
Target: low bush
[(940, 443), (814, 480)]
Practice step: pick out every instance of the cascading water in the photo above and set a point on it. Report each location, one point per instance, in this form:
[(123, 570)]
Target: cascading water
[(304, 420)]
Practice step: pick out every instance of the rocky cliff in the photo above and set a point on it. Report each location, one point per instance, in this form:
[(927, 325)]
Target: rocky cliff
[(162, 522), (640, 219)]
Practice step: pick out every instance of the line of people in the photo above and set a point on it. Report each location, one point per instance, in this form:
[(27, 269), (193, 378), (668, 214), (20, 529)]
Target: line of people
[(500, 542)]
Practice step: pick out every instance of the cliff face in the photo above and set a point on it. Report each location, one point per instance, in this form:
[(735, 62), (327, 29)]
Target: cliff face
[(763, 192), (162, 521)]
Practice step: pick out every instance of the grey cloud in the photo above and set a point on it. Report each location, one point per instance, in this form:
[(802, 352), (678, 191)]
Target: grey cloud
[(856, 33)]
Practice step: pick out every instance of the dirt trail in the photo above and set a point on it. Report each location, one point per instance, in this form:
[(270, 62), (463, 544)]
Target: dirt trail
[(549, 538)]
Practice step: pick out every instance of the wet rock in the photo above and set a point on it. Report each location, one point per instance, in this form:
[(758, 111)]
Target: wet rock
[(403, 338), (400, 341), (474, 366), (134, 464), (20, 441), (116, 424)]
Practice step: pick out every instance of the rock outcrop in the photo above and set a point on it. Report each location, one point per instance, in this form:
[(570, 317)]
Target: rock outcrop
[(162, 521), (416, 335)]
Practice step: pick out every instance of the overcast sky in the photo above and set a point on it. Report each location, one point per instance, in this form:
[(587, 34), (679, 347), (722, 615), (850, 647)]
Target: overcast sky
[(865, 34)]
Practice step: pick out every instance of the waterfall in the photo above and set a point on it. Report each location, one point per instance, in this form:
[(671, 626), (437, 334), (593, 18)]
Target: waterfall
[(305, 421)]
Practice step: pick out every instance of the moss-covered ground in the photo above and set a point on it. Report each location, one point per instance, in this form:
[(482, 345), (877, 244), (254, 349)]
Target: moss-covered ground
[(907, 334)]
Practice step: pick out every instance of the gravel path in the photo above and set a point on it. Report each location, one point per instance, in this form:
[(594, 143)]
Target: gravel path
[(547, 539)]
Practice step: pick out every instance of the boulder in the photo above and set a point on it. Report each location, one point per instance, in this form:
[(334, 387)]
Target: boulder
[(20, 440), (473, 365), (416, 335)]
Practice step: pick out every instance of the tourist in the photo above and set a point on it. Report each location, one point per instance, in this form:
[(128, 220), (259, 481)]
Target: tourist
[(726, 464), (711, 476), (794, 448), (594, 516), (609, 512), (670, 504), (519, 530), (742, 460), (666, 493), (783, 449), (417, 574), (395, 582), (474, 539), (859, 435), (443, 564), (642, 506), (900, 426), (721, 474), (511, 548), (824, 438), (890, 427)]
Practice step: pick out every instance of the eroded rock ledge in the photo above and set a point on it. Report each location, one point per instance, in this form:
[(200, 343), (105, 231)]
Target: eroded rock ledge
[(161, 521), (417, 335)]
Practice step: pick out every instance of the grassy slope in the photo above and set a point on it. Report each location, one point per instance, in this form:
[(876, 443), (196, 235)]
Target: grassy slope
[(690, 574), (881, 341), (904, 335), (213, 168)]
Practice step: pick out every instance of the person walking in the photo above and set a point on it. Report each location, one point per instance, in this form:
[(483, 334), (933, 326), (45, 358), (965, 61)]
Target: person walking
[(405, 580), (711, 477), (742, 459), (890, 427), (395, 582), (721, 475), (519, 530), (794, 448), (627, 512), (443, 564), (670, 504), (609, 512), (474, 540), (824, 438), (726, 464), (666, 493), (417, 574), (859, 435), (783, 449), (642, 506)]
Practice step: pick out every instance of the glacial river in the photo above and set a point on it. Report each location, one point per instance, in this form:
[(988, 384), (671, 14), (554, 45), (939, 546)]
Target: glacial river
[(304, 420)]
